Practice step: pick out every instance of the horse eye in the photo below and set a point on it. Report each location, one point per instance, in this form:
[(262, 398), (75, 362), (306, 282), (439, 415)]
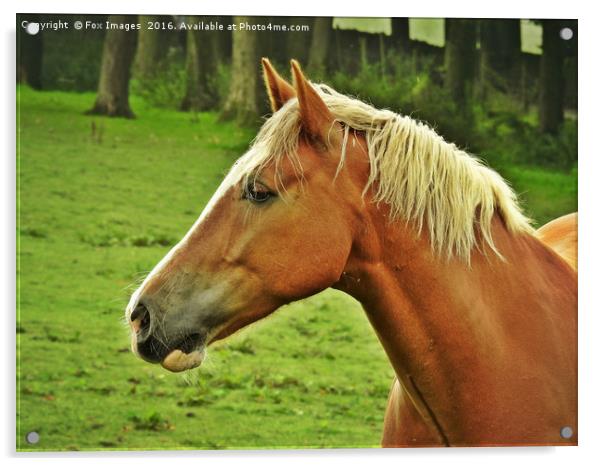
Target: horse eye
[(256, 192)]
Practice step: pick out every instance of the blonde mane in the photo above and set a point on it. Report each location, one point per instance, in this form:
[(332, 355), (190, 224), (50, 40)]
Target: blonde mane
[(424, 179)]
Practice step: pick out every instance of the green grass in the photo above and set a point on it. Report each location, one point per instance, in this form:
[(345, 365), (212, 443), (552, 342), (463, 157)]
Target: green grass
[(98, 209), (545, 194)]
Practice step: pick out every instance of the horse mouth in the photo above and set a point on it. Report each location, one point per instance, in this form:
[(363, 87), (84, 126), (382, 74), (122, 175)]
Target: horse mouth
[(187, 354), (178, 361)]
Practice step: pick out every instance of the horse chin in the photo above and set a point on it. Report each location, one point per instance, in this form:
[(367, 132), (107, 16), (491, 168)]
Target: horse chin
[(178, 361)]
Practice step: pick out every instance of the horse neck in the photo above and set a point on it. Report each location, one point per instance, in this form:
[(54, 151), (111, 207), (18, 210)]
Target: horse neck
[(411, 295), (433, 315)]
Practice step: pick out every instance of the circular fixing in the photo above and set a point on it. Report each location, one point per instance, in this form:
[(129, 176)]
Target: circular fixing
[(32, 437), (566, 432), (566, 33), (32, 28)]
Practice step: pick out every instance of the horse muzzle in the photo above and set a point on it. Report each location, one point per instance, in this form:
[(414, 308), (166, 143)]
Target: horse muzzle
[(156, 345)]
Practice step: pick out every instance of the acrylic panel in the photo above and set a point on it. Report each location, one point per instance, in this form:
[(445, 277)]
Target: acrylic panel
[(295, 232)]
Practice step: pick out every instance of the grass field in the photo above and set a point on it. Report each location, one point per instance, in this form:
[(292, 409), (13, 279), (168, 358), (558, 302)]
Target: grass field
[(101, 201)]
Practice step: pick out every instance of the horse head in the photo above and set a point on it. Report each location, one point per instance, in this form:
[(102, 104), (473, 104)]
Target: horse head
[(279, 228)]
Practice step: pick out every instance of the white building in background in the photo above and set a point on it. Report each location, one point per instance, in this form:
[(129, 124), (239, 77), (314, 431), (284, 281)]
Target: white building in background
[(432, 30)]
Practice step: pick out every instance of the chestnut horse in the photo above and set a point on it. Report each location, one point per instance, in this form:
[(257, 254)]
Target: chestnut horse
[(476, 314), (561, 235)]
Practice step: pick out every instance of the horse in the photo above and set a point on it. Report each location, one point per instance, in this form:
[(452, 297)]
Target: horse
[(476, 314), (561, 235)]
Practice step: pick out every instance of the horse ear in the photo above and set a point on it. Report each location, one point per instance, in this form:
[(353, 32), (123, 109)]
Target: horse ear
[(315, 115), (279, 91)]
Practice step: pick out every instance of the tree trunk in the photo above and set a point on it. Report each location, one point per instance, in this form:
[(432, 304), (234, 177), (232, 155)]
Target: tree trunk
[(551, 112), (201, 70), (29, 53), (222, 42), (242, 101), (274, 44), (460, 58), (500, 53), (320, 42), (151, 49), (400, 34), (372, 42), (348, 50), (298, 43), (113, 85)]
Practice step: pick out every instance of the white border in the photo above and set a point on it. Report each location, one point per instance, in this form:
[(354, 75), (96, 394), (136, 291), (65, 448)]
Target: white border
[(590, 154)]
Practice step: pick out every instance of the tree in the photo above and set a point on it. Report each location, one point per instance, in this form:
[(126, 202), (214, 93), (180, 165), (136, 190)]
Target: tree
[(298, 42), (222, 42), (29, 53), (348, 50), (551, 111), (371, 48), (320, 42), (113, 85), (201, 70), (274, 45), (500, 53), (400, 34), (242, 102), (151, 49), (460, 58)]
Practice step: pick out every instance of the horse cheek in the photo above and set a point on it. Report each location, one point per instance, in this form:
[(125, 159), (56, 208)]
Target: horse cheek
[(313, 269)]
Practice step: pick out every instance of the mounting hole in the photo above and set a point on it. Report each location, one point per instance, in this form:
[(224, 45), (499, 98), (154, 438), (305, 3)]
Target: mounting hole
[(32, 437), (32, 28), (566, 432), (566, 33)]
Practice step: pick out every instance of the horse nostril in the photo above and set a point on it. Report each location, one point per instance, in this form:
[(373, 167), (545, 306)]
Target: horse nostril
[(148, 346), (141, 314)]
